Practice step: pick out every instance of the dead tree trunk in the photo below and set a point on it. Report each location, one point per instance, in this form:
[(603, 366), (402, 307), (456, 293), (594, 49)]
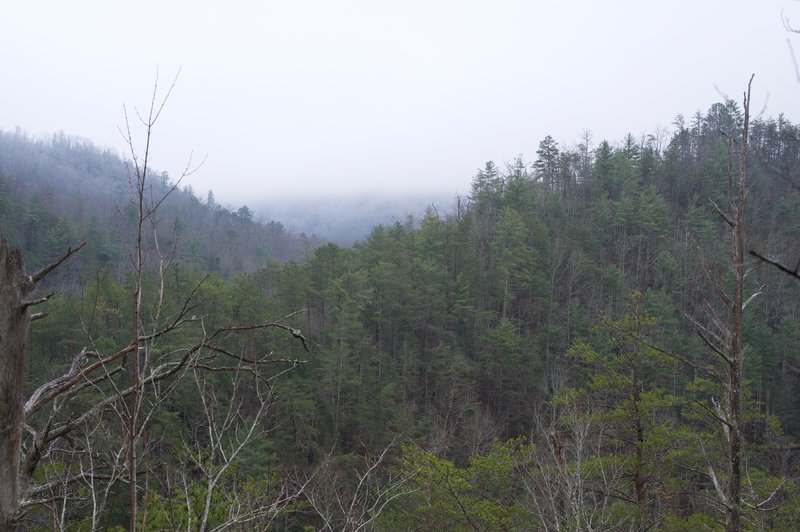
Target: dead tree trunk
[(724, 334), (14, 322), (15, 318), (736, 200)]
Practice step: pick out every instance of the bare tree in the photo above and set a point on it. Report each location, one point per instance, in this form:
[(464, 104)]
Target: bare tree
[(352, 500), (61, 420), (569, 485), (722, 332), (205, 477), (16, 287)]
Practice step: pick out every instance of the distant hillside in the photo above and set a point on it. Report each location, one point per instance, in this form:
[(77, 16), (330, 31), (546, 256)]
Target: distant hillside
[(345, 220), (59, 190)]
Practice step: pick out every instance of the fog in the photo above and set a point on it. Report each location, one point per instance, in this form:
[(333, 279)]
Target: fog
[(319, 98)]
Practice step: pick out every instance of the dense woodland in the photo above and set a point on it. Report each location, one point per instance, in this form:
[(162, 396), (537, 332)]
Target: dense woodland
[(527, 359)]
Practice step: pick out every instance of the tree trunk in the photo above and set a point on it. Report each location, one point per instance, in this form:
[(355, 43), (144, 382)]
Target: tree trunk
[(736, 198), (15, 320), (15, 285)]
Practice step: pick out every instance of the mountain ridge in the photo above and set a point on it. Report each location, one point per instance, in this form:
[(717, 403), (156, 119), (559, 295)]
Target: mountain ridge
[(60, 189)]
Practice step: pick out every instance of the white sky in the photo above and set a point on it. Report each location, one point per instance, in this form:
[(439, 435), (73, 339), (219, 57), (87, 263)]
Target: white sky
[(302, 97)]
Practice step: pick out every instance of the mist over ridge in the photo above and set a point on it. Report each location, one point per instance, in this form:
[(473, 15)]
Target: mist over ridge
[(348, 218)]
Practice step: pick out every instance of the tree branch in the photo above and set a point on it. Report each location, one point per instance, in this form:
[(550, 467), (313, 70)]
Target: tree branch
[(785, 269), (41, 274)]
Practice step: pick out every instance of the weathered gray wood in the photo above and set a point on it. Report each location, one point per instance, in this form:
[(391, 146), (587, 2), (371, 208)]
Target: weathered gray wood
[(15, 319), (15, 286)]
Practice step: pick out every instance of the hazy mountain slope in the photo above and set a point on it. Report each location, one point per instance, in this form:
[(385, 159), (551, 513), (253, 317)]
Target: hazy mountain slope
[(347, 219), (62, 189)]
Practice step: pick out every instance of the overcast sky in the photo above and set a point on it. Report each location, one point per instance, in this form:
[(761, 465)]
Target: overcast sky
[(302, 97)]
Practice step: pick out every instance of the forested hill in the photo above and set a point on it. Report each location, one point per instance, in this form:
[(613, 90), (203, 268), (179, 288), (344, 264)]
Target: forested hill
[(528, 361), (59, 190)]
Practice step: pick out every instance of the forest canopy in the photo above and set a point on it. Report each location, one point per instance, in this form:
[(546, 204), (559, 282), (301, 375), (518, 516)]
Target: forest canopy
[(527, 359)]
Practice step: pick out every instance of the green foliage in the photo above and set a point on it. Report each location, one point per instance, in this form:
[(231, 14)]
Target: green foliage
[(480, 496), (511, 316)]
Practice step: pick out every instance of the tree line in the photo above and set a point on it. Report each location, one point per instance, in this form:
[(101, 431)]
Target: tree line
[(529, 359)]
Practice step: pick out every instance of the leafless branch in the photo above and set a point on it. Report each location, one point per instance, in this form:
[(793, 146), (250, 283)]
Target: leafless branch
[(772, 262), (41, 274)]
